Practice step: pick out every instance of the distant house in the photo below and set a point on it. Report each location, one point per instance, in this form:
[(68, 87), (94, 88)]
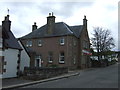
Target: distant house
[(58, 44), (10, 59)]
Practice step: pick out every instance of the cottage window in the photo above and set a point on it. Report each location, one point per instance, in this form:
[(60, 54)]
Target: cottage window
[(50, 57), (39, 42), (62, 58), (62, 41), (29, 43)]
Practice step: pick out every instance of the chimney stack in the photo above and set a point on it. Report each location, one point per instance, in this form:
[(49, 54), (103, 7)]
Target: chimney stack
[(50, 23), (6, 24), (34, 27), (85, 22)]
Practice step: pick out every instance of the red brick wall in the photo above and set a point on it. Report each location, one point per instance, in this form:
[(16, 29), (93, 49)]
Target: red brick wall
[(52, 44)]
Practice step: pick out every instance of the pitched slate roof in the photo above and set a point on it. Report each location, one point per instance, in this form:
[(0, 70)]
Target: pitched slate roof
[(61, 29), (9, 40)]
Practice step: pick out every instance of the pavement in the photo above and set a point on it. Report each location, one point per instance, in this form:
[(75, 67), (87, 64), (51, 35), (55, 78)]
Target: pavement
[(20, 82)]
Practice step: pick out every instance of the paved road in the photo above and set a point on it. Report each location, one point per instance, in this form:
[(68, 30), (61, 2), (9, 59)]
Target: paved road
[(94, 78)]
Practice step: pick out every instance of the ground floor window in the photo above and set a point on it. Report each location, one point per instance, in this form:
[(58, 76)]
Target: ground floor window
[(50, 57), (74, 59), (62, 57)]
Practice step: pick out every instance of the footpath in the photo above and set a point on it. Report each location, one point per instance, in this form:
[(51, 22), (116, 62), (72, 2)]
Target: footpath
[(20, 82)]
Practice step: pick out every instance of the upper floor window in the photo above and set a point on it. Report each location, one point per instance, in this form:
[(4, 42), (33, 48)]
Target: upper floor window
[(62, 41), (85, 44), (50, 57), (74, 42), (62, 57), (29, 43), (39, 42)]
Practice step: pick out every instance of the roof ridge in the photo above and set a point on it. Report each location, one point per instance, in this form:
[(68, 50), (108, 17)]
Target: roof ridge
[(76, 26), (68, 28)]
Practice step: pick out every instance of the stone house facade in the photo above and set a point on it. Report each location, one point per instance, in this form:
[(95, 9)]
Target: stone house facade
[(58, 44)]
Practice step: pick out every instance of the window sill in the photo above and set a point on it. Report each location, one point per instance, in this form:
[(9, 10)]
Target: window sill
[(50, 61), (40, 45), (61, 62), (62, 44)]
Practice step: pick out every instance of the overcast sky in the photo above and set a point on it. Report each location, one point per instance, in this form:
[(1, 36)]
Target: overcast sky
[(23, 13)]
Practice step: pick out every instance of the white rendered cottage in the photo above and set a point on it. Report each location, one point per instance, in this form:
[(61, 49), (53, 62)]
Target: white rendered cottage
[(11, 58)]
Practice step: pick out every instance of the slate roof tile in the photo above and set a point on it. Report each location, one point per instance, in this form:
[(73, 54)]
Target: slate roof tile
[(61, 29)]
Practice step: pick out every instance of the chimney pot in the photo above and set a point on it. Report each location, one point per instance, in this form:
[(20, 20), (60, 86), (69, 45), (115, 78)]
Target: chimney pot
[(84, 16), (34, 23), (85, 22), (34, 27), (49, 14), (52, 13), (5, 17)]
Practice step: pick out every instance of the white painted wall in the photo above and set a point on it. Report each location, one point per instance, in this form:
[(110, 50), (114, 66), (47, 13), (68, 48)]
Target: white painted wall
[(1, 55), (11, 57), (25, 59)]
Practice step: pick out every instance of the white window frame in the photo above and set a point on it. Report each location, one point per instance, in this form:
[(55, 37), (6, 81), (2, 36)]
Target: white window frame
[(62, 41), (50, 57), (61, 61), (29, 43), (40, 43), (74, 60)]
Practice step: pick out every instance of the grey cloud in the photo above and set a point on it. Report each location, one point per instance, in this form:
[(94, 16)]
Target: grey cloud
[(66, 9)]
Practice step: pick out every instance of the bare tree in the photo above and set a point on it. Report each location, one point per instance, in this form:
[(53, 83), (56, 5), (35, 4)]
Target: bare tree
[(102, 41)]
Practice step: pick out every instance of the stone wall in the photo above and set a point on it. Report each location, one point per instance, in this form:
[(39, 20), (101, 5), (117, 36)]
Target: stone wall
[(42, 73)]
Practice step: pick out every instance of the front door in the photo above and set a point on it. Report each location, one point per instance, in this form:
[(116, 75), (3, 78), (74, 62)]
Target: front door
[(38, 61)]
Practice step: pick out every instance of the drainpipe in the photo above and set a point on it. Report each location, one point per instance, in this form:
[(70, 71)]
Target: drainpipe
[(18, 64), (67, 53)]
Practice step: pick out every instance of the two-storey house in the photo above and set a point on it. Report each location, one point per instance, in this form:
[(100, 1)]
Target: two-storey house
[(58, 44)]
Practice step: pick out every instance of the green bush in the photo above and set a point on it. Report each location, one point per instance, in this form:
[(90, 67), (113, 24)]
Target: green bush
[(53, 66)]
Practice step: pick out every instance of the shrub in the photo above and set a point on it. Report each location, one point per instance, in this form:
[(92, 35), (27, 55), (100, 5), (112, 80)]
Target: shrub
[(53, 66)]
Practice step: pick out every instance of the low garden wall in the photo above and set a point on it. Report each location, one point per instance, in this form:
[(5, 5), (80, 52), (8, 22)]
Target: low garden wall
[(42, 73)]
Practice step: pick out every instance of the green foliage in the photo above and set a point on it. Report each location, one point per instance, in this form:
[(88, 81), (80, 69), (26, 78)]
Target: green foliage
[(53, 66)]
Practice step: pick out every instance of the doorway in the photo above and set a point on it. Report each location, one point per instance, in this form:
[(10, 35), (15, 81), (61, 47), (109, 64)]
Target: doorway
[(38, 61)]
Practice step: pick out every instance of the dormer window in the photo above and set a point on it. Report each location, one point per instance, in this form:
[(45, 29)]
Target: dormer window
[(40, 43), (62, 41), (29, 44)]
